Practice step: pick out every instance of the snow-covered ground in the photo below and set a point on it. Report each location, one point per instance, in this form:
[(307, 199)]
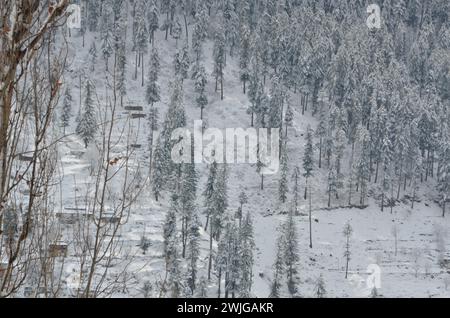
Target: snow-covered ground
[(372, 241)]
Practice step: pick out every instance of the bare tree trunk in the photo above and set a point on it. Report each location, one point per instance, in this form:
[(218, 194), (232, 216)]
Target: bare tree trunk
[(310, 219)]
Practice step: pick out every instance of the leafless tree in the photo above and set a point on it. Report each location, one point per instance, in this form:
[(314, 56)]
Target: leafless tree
[(30, 80)]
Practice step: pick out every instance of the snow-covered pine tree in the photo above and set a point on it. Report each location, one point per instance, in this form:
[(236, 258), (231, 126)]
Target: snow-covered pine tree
[(332, 183), (182, 63), (119, 43), (283, 182), (220, 201), (209, 191), (200, 88), (444, 168), (277, 100), (141, 36), (291, 254), (66, 112), (208, 194), (221, 260), (230, 260), (153, 117), (93, 12), (278, 266), (231, 23), (247, 245), (339, 155), (170, 234), (244, 57), (188, 196), (219, 55), (159, 169), (296, 189), (193, 253), (168, 9), (256, 88), (386, 156), (288, 120), (199, 36), (363, 163), (165, 171), (308, 157), (92, 56), (348, 230), (321, 132), (177, 30), (84, 21), (87, 126), (152, 93), (243, 199), (120, 70), (106, 34), (152, 19)]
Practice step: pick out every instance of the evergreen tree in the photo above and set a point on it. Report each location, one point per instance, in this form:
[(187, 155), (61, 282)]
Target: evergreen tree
[(193, 252), (198, 38), (153, 20), (200, 89), (120, 34), (321, 132), (220, 201), (93, 12), (159, 164), (92, 56), (243, 199), (283, 183), (363, 164), (219, 55), (244, 58), (308, 157), (208, 194), (168, 9), (332, 183), (444, 168), (182, 63), (229, 260), (296, 189), (153, 116), (165, 171), (348, 230), (288, 120), (291, 256), (277, 100), (247, 246), (152, 92), (66, 112), (121, 72), (177, 30), (188, 189), (171, 250), (256, 88), (141, 35), (106, 35), (87, 125), (278, 267), (209, 191)]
